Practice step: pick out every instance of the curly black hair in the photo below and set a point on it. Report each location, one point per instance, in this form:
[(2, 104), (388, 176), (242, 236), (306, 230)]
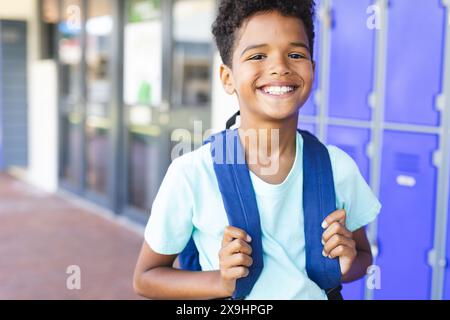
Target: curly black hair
[(233, 13)]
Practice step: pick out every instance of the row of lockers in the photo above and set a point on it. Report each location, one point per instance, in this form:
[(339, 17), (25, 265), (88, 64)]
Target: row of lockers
[(415, 57), (416, 31), (406, 223)]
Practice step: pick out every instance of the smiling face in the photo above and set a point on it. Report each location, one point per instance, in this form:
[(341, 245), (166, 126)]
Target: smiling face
[(272, 71)]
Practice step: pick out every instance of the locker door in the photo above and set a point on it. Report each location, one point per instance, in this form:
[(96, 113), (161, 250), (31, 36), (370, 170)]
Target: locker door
[(406, 224), (309, 108), (353, 142), (352, 58), (415, 61), (308, 127)]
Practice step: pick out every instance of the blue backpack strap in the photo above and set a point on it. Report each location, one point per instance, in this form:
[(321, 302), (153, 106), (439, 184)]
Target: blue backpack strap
[(319, 200), (239, 199)]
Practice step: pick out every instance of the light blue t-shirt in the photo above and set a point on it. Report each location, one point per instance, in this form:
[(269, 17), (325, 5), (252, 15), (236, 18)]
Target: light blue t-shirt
[(189, 202)]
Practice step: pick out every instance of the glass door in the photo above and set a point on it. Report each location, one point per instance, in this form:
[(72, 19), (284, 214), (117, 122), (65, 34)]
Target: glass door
[(192, 63), (87, 75), (168, 53), (98, 151), (192, 54), (146, 160)]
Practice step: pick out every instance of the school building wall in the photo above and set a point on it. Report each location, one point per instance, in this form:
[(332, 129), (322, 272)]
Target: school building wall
[(37, 132)]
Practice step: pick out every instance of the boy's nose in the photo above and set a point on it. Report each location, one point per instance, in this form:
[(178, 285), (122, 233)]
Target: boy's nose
[(279, 67), (281, 72)]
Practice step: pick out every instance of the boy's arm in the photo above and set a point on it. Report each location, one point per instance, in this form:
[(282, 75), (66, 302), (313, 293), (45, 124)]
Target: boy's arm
[(155, 278), (363, 257)]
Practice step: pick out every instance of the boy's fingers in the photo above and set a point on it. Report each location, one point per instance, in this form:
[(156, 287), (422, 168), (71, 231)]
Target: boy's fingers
[(341, 251), (230, 233), (236, 246), (336, 228), (240, 246), (336, 241), (236, 272), (236, 260), (336, 216)]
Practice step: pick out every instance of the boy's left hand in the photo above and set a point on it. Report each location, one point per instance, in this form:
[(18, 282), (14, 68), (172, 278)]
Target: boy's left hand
[(338, 240)]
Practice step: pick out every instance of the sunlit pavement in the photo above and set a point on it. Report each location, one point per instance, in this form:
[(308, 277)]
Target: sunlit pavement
[(41, 235)]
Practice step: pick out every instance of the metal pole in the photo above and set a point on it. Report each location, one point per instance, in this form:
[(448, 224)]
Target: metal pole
[(377, 102), (116, 163), (322, 96), (436, 257)]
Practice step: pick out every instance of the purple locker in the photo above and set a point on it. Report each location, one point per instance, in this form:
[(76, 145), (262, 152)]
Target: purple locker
[(406, 224), (415, 61), (308, 127), (309, 108), (354, 142), (352, 60)]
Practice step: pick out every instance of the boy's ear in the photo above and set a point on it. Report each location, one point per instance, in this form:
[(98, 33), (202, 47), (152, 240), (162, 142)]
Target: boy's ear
[(227, 79)]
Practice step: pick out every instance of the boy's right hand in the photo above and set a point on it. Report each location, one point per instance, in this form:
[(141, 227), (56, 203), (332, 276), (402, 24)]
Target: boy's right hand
[(234, 258)]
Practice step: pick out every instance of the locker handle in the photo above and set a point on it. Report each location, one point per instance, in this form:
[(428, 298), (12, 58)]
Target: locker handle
[(434, 261), (437, 158), (370, 150), (372, 100), (318, 98), (375, 250), (440, 102)]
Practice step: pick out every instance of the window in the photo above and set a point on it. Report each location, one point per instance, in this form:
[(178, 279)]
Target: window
[(192, 53), (143, 60), (70, 54), (143, 53), (99, 36)]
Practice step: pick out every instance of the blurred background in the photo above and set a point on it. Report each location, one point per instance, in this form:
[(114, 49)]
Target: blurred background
[(93, 92)]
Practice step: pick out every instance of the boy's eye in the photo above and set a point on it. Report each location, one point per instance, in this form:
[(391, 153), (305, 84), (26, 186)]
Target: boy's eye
[(297, 56), (257, 57)]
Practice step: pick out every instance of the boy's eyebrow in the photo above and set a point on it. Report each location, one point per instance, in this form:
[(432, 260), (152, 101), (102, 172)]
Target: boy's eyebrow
[(300, 44), (256, 46)]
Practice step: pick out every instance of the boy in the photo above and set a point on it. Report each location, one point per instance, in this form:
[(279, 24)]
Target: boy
[(266, 47)]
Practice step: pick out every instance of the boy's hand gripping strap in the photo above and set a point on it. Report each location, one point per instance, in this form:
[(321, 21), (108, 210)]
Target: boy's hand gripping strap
[(319, 200), (239, 200)]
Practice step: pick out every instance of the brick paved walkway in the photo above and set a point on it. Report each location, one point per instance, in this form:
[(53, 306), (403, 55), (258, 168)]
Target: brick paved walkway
[(42, 234)]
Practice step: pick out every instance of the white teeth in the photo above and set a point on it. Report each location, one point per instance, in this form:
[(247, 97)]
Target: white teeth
[(278, 90)]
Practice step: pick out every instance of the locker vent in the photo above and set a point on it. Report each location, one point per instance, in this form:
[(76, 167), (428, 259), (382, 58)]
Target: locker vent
[(406, 162)]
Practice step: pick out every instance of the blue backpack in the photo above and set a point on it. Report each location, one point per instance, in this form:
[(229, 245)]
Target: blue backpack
[(238, 195)]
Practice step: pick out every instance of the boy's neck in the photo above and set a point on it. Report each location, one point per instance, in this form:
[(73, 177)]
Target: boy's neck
[(276, 139)]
